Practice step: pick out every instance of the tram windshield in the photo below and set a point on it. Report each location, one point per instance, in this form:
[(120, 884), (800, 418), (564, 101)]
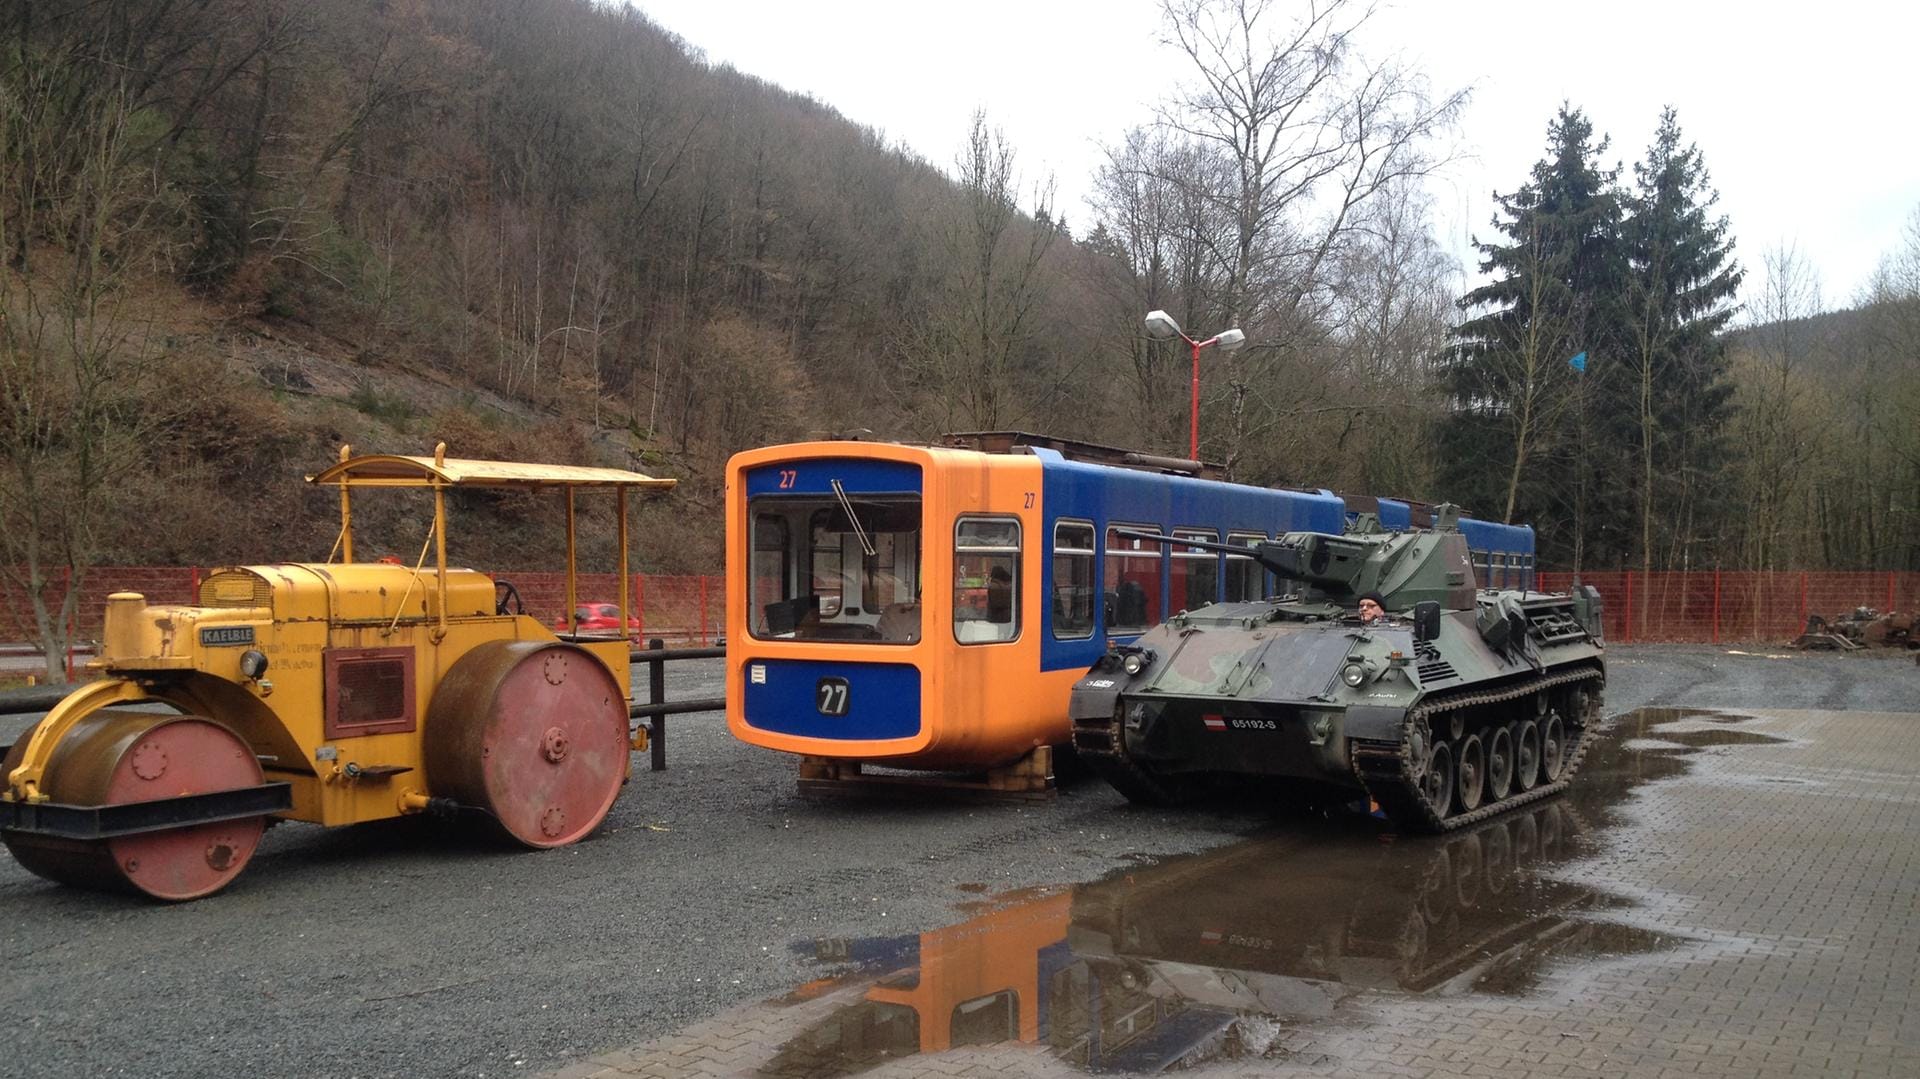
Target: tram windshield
[(835, 569)]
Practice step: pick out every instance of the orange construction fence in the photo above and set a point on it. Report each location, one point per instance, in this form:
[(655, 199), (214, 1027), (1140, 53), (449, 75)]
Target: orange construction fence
[(1701, 606), (1735, 606)]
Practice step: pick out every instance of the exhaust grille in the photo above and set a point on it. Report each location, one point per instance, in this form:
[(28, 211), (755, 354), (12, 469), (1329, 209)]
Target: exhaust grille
[(1435, 670), (1555, 626), (235, 588)]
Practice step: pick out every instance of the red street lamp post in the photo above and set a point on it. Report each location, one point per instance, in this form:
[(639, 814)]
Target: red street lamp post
[(1162, 327)]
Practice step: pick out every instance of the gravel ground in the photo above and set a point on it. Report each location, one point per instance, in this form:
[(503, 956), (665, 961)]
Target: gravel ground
[(408, 948)]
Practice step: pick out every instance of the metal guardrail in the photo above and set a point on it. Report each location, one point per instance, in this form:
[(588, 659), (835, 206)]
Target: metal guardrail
[(656, 655), (15, 702)]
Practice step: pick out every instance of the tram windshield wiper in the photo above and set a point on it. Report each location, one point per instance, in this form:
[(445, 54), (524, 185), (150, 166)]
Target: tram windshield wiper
[(859, 533)]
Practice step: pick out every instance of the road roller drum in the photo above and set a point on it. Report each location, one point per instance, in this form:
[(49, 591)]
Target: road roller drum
[(535, 734), (117, 757)]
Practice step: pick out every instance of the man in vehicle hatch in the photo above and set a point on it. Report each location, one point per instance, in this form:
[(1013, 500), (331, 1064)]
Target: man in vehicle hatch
[(1373, 609)]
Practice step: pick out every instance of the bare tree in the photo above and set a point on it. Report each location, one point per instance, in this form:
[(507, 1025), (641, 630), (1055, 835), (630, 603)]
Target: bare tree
[(1153, 236), (76, 356), (966, 354), (1395, 300), (1313, 132), (1777, 416), (1873, 463)]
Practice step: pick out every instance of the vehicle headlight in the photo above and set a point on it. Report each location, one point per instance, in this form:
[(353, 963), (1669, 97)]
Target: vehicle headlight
[(1134, 663), (1353, 674), (253, 663)]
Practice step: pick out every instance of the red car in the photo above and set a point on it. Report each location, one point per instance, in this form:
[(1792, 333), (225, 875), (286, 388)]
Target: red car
[(599, 619)]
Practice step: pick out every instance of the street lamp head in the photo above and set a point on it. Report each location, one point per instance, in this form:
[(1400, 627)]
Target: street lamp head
[(1162, 327), (1230, 340)]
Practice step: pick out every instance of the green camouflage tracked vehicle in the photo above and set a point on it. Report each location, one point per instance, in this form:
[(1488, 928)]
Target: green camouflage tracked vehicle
[(1455, 706)]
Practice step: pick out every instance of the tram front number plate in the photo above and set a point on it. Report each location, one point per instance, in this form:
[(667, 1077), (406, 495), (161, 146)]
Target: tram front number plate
[(830, 696)]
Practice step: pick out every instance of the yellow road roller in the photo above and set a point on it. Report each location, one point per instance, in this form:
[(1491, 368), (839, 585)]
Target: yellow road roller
[(336, 693)]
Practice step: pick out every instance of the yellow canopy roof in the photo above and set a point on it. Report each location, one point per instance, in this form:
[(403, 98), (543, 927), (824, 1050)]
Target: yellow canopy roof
[(389, 470)]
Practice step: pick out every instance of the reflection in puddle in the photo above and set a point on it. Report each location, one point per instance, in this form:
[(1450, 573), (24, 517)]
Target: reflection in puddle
[(1715, 737), (1212, 957)]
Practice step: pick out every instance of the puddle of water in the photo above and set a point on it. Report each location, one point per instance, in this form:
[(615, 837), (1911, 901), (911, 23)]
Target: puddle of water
[(1718, 737), (1211, 957)]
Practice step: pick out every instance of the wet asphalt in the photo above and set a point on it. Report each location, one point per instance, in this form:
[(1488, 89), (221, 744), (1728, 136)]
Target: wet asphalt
[(415, 948)]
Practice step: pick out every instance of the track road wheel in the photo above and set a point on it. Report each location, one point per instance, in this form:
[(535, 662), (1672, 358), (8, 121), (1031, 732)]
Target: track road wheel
[(1436, 781), (1553, 744), (1526, 754), (116, 757), (1499, 763), (532, 732), (1472, 767)]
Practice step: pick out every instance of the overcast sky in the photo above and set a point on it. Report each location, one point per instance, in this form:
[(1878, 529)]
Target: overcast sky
[(1804, 113)]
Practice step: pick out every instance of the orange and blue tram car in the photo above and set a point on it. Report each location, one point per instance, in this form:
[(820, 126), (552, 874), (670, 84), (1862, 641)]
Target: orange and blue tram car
[(930, 607)]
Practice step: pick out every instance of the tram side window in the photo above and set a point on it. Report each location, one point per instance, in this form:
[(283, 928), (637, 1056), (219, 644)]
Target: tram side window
[(1131, 580), (1482, 569), (1244, 575), (771, 569), (1195, 570), (986, 579), (1073, 580)]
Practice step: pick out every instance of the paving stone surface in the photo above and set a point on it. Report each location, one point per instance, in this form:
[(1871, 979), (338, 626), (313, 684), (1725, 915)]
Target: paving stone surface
[(1777, 866)]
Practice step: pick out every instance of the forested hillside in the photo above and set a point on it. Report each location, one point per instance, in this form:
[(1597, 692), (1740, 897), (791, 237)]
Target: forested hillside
[(240, 232)]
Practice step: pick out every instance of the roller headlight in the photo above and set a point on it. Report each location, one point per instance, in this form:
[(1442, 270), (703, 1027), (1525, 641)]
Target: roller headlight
[(1134, 663), (1353, 674), (253, 663)]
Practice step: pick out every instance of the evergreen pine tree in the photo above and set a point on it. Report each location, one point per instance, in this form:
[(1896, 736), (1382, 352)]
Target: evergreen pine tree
[(1516, 444), (1681, 283)]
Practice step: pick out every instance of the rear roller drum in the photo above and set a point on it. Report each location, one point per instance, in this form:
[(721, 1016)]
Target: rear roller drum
[(534, 733), (116, 757)]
